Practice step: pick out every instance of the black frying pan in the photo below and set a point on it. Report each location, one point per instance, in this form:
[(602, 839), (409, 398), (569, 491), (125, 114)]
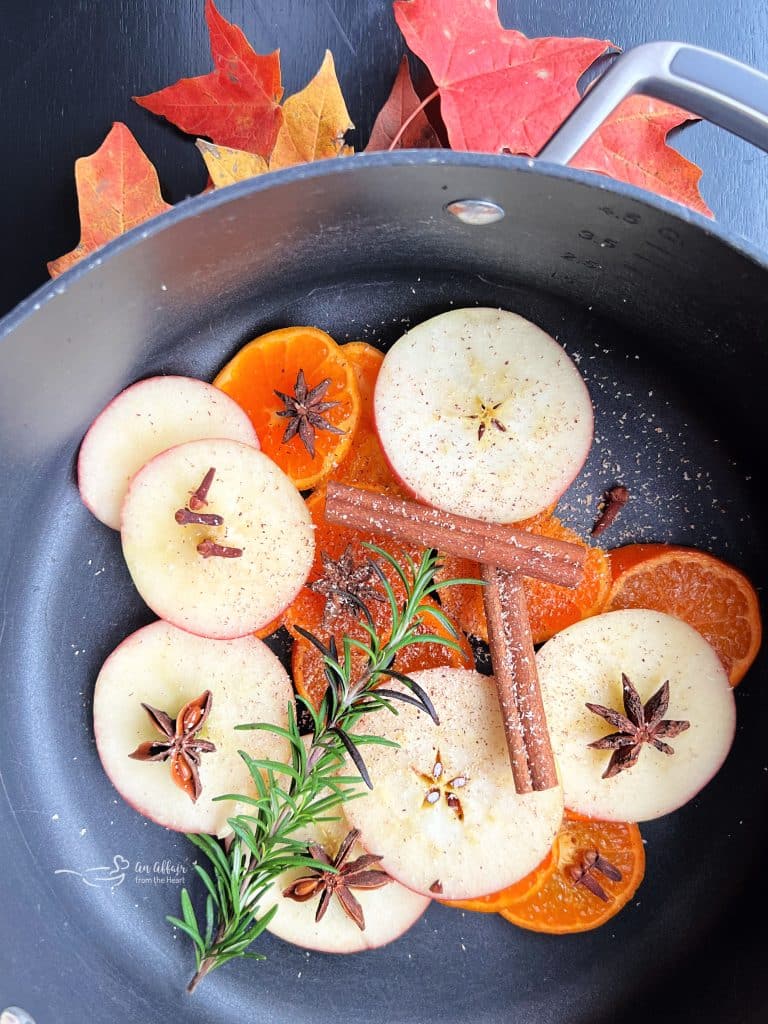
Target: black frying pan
[(666, 315)]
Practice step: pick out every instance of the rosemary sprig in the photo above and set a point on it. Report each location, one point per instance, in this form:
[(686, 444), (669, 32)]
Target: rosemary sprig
[(291, 796)]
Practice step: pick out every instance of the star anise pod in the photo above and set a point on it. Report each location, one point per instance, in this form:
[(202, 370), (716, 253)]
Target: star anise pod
[(303, 409), (640, 725), (355, 874), (181, 745), (344, 585)]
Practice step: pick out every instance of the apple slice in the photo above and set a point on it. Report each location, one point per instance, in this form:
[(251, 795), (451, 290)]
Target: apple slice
[(584, 664), (481, 413), (443, 812), (388, 912), (166, 668), (144, 420), (216, 537)]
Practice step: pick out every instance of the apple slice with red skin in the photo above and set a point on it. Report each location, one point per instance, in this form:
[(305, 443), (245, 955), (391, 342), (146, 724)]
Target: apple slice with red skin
[(584, 664), (144, 420), (388, 912), (165, 668), (481, 413), (443, 812), (246, 559)]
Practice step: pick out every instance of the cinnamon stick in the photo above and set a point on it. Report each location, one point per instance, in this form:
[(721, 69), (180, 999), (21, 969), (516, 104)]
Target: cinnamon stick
[(544, 558), (505, 556), (517, 681)]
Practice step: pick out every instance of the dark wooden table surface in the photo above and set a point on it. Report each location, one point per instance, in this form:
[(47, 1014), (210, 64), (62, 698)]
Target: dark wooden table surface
[(68, 69)]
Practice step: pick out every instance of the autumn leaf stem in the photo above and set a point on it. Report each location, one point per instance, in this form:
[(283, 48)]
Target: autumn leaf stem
[(413, 114)]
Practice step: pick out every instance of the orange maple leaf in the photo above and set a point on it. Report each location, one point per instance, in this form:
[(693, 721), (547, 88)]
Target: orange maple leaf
[(237, 104), (314, 121), (227, 166), (631, 146), (117, 188)]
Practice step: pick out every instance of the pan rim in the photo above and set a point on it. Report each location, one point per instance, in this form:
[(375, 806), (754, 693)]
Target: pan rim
[(195, 205)]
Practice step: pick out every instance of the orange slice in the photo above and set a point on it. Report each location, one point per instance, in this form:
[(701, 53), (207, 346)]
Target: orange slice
[(498, 901), (364, 464), (708, 594), (332, 542), (307, 609), (291, 360), (592, 858), (419, 656), (366, 362), (270, 628), (308, 670), (550, 608)]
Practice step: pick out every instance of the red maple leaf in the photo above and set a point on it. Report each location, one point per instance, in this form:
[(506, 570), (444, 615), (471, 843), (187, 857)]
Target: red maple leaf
[(631, 146), (499, 90), (235, 105), (117, 188), (401, 105)]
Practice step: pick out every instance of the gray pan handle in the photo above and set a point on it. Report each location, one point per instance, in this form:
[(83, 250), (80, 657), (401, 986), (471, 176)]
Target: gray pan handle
[(717, 88)]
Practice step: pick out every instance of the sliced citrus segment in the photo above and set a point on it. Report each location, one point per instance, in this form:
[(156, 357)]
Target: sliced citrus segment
[(630, 555), (307, 667), (301, 395), (464, 602), (498, 901), (323, 607), (307, 664), (708, 594), (312, 609), (366, 362), (333, 540), (419, 656), (364, 464), (550, 607), (270, 628), (598, 868)]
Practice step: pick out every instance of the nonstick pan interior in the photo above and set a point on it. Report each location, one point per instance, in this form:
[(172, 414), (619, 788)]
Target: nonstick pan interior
[(666, 319), (679, 951)]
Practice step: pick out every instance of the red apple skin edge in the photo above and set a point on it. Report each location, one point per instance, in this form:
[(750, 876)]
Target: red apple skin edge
[(223, 636), (230, 636), (417, 497), (127, 642), (134, 806), (83, 453)]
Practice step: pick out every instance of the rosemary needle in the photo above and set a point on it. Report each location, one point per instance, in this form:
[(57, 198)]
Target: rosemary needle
[(291, 796)]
